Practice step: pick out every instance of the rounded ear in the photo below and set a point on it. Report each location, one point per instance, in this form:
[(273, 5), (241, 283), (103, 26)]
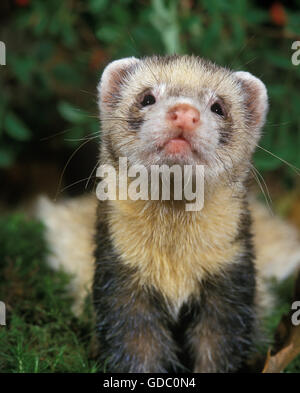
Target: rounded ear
[(256, 98), (112, 77)]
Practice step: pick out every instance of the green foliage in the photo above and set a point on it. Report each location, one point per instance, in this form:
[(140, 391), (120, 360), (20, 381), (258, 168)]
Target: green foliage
[(15, 128), (42, 334), (58, 49)]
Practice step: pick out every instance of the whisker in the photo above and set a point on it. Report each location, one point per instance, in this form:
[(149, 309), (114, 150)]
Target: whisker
[(46, 138), (91, 175), (293, 167), (267, 199), (65, 167), (264, 182), (88, 92), (80, 139), (71, 185), (278, 124)]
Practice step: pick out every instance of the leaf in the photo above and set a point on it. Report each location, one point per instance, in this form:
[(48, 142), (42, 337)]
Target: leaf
[(287, 340), (98, 6), (16, 128), (109, 34), (70, 113), (164, 19), (23, 67)]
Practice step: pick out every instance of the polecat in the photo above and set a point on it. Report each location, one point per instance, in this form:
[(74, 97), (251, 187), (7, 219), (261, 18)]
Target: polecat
[(176, 290), (173, 290)]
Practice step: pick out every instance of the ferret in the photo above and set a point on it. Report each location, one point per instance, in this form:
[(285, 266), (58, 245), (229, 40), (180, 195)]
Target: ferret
[(175, 290)]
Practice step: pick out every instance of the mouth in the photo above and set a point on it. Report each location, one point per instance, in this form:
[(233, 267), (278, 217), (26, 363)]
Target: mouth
[(177, 145)]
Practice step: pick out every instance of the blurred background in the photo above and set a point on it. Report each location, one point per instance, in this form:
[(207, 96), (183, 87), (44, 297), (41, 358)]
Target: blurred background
[(56, 50), (55, 53)]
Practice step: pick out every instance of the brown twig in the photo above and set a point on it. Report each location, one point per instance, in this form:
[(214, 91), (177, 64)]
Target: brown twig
[(287, 340)]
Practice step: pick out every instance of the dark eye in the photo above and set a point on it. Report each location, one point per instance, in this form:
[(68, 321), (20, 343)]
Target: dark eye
[(149, 99), (217, 108)]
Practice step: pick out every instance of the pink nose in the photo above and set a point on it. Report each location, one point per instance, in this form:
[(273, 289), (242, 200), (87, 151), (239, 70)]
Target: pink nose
[(184, 116)]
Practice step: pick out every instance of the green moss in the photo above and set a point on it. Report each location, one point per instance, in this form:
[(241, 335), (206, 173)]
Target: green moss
[(42, 334)]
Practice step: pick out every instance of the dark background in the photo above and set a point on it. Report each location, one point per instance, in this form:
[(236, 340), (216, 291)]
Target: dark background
[(57, 49)]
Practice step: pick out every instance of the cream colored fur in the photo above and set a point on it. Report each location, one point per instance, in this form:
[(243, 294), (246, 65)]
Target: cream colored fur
[(70, 230), (158, 239), (69, 234)]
